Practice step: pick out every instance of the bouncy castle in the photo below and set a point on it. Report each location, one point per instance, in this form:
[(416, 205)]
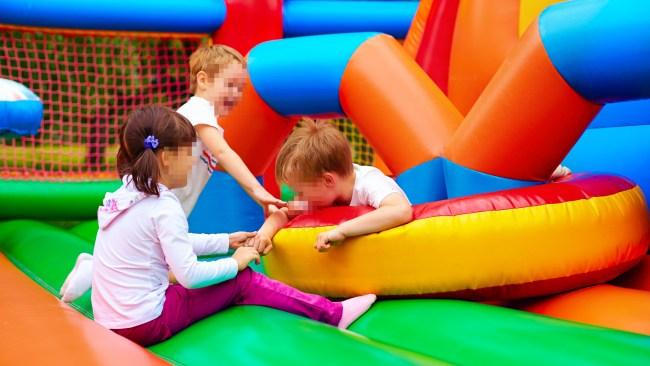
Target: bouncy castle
[(470, 105)]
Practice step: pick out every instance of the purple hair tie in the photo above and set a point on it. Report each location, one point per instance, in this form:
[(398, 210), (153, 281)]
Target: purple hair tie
[(151, 142)]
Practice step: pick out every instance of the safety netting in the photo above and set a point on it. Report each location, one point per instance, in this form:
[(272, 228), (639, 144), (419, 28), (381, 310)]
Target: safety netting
[(88, 81)]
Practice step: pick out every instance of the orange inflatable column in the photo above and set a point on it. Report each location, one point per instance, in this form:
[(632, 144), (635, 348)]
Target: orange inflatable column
[(402, 113), (483, 35), (526, 120), (255, 131), (414, 36)]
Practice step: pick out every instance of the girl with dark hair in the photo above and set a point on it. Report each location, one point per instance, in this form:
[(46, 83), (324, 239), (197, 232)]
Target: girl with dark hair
[(144, 235)]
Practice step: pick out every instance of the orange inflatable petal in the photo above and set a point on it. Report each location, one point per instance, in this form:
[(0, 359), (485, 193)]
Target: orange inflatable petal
[(38, 329), (603, 305)]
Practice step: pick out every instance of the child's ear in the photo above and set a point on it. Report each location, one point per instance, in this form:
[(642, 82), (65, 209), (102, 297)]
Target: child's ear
[(201, 78), (329, 179), (164, 158)]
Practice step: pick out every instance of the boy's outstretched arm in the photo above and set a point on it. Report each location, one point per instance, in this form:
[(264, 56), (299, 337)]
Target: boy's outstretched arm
[(235, 166), (393, 211), (263, 240)]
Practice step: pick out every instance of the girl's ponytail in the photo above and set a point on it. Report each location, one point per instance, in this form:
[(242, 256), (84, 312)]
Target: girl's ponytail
[(145, 172), (146, 132)]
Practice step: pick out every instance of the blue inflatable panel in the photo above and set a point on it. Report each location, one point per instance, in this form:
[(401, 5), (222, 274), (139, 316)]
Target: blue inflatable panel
[(304, 18), (224, 207), (196, 16), (21, 111), (600, 47), (619, 150), (463, 181), (424, 183), (299, 76), (632, 113)]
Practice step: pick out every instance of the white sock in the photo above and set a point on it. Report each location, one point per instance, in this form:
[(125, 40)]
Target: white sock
[(355, 307), (79, 280)]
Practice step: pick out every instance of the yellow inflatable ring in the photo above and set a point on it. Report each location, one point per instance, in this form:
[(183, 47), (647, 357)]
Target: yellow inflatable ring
[(518, 243)]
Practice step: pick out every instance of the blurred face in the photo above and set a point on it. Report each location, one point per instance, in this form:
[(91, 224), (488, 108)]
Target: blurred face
[(176, 166), (226, 88), (321, 192)]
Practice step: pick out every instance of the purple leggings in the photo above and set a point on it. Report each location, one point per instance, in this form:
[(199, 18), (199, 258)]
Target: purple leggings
[(183, 306)]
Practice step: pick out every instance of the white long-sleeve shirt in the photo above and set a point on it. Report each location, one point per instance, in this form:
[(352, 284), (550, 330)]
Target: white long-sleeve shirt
[(140, 239)]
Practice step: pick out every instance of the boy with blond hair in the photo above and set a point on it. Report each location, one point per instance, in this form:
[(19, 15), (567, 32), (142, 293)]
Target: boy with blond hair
[(316, 162), (217, 78)]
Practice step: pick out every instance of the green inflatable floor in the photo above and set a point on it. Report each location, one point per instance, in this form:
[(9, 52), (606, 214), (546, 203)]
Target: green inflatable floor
[(400, 332)]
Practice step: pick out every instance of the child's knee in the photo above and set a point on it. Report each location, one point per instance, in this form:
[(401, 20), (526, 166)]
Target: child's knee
[(244, 277)]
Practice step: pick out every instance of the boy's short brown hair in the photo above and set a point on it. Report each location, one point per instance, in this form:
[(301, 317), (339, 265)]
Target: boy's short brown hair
[(211, 59), (314, 148)]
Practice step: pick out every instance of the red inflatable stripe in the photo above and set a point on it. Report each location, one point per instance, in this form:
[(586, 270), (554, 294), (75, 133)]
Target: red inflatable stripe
[(435, 48), (541, 287), (572, 188)]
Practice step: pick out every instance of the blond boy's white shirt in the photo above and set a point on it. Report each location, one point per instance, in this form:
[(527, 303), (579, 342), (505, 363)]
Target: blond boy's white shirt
[(198, 111)]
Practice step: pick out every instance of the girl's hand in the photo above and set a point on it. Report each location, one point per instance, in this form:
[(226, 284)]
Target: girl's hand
[(261, 243), (239, 238), (244, 255), (326, 239), (171, 277)]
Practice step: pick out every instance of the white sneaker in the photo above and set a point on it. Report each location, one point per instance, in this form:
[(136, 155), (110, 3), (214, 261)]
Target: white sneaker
[(79, 280)]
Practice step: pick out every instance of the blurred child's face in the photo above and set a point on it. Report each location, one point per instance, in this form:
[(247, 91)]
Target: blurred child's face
[(321, 192), (225, 90), (176, 166)]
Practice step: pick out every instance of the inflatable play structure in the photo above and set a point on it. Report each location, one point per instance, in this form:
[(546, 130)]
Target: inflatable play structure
[(21, 111), (471, 113)]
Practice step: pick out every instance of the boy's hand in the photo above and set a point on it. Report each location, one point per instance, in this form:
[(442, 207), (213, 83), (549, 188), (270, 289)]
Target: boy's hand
[(270, 210), (265, 199), (326, 239), (244, 255), (239, 238), (261, 243)]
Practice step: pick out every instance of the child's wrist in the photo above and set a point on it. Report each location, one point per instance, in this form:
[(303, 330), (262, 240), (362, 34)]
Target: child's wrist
[(262, 236), (341, 231), (258, 188)]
